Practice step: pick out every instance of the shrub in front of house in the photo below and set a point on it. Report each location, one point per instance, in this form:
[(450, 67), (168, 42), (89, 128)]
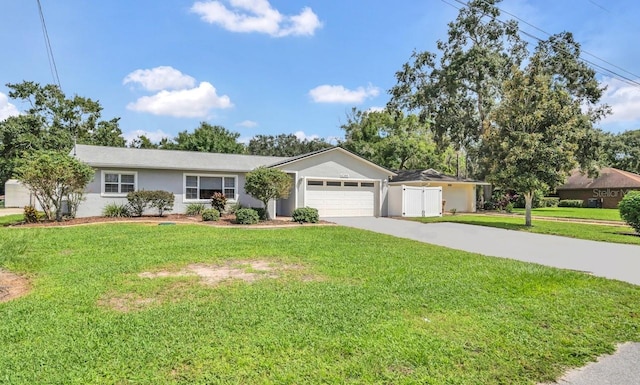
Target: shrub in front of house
[(629, 208), (114, 210), (247, 216), (158, 199), (138, 201), (194, 209), (209, 215), (219, 202), (571, 203), (305, 215), (31, 215), (162, 201)]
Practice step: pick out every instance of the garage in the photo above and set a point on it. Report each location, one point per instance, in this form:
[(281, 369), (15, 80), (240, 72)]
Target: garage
[(341, 198)]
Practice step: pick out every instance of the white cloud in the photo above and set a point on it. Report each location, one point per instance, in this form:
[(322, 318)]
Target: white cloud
[(187, 103), (160, 78), (624, 100), (257, 16), (245, 139), (154, 136), (338, 94), (302, 136), (7, 109), (247, 124)]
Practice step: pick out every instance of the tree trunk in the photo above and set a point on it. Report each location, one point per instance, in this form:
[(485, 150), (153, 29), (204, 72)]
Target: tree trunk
[(528, 200)]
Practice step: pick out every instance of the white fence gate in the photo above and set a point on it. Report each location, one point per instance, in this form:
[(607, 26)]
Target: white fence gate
[(410, 201)]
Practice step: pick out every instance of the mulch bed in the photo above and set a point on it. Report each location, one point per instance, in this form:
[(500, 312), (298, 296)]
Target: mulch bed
[(226, 220)]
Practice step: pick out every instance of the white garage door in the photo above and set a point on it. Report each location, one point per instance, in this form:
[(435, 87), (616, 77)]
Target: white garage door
[(341, 198)]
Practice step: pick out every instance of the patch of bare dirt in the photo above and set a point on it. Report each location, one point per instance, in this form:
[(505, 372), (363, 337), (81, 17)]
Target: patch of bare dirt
[(247, 271), (12, 286), (207, 274)]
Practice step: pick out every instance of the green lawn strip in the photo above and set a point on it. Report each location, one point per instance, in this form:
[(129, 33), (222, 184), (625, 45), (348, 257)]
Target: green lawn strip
[(575, 212), (7, 220), (360, 308), (593, 232)]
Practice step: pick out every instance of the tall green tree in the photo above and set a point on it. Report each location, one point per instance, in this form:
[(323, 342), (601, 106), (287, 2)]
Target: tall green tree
[(142, 141), (537, 136), (622, 151), (393, 140), (53, 178), (285, 145), (457, 88), (207, 138), (52, 121)]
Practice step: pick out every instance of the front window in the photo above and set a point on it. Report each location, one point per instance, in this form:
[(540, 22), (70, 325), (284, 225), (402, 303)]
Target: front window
[(118, 182), (202, 187)]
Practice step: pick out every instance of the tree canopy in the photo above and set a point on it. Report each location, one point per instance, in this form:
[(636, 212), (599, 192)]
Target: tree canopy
[(207, 138), (285, 145), (52, 121), (265, 184), (622, 151)]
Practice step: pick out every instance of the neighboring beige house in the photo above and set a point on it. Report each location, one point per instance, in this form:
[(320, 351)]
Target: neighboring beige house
[(457, 193)]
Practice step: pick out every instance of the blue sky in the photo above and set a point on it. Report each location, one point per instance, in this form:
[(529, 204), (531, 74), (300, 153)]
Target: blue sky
[(271, 66)]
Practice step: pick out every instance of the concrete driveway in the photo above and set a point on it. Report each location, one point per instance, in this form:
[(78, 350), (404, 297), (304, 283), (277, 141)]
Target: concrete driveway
[(10, 211), (610, 260)]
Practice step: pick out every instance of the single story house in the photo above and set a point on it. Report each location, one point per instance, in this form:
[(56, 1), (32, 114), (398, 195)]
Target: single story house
[(458, 194), (606, 190), (333, 180)]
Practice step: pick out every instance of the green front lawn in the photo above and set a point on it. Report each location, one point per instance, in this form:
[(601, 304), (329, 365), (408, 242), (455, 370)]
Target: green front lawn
[(575, 212), (353, 307), (604, 233), (11, 219)]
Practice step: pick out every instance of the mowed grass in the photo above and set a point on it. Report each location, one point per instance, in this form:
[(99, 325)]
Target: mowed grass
[(6, 220), (593, 232), (361, 308), (575, 212)]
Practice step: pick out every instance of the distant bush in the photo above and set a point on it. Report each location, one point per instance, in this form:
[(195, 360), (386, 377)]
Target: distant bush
[(536, 202), (162, 201), (571, 203), (1, 204), (114, 210), (629, 208), (247, 216), (31, 215), (509, 208), (219, 202), (195, 209), (306, 215), (549, 202), (209, 215), (262, 212)]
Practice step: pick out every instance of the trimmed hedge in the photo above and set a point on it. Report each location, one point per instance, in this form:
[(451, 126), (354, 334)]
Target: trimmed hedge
[(159, 199), (209, 215), (306, 215), (629, 208), (571, 203), (247, 216), (549, 202)]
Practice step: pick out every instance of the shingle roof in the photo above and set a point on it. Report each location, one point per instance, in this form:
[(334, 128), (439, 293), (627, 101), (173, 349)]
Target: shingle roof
[(121, 157), (608, 178), (430, 175)]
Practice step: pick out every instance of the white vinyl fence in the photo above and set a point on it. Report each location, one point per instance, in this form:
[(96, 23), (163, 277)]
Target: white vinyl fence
[(410, 201)]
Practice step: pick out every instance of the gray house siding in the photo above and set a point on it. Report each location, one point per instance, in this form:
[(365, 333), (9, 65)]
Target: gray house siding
[(149, 179)]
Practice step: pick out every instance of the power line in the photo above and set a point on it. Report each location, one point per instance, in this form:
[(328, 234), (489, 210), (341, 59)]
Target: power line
[(47, 42), (607, 72)]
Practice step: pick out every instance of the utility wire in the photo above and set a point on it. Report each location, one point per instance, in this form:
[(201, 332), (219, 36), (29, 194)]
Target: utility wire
[(607, 72), (549, 34), (47, 42)]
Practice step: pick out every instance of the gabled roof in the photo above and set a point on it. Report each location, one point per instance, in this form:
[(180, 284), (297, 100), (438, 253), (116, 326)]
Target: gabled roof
[(330, 149), (121, 157), (430, 175), (608, 178)]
